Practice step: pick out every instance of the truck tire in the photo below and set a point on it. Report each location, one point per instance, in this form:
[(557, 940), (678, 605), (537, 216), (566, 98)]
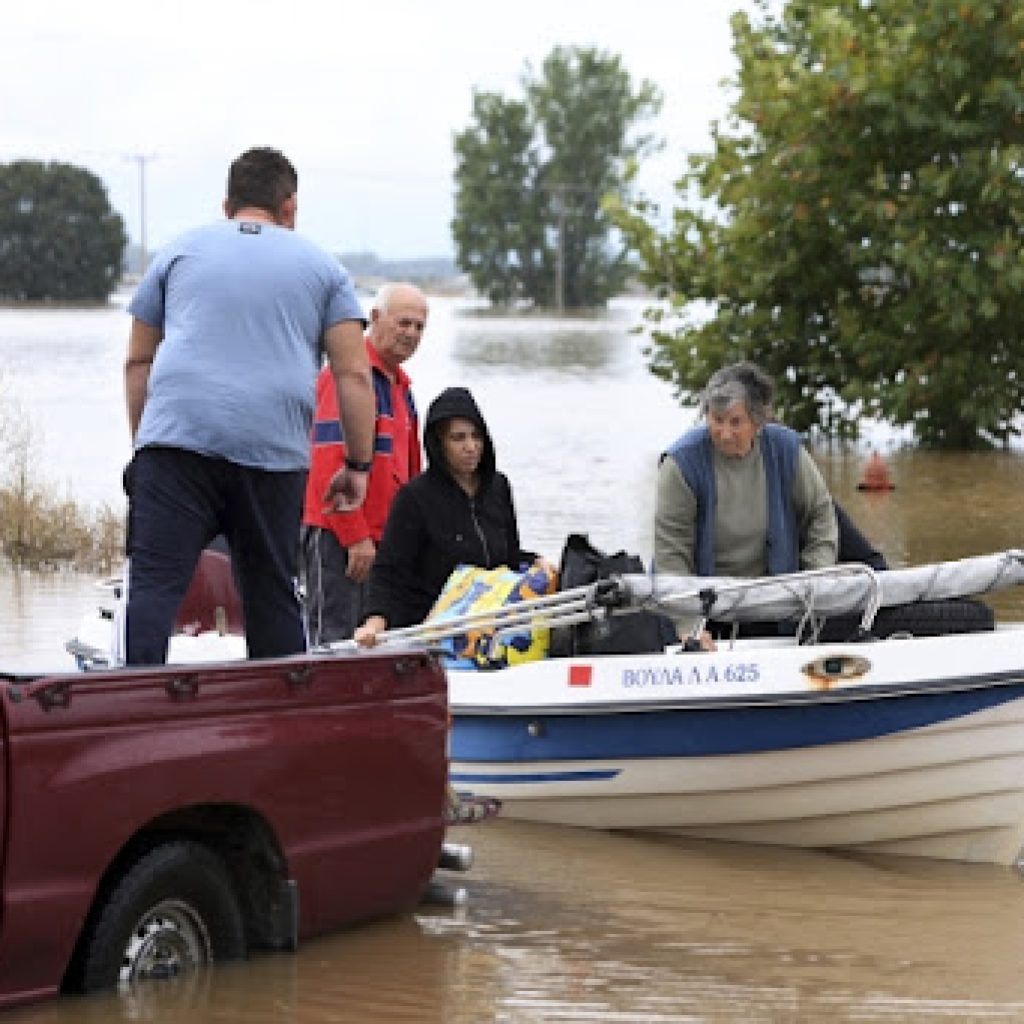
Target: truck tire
[(173, 911)]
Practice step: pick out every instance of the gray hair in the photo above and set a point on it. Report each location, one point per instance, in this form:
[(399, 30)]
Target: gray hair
[(386, 294), (740, 382), (382, 299)]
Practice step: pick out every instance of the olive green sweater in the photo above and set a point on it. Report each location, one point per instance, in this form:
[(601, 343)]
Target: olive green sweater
[(741, 517)]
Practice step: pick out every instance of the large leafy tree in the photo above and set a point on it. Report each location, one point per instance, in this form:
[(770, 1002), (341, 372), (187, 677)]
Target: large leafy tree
[(531, 174), (59, 236), (858, 228)]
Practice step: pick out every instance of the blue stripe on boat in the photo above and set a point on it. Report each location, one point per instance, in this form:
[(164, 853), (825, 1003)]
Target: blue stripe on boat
[(705, 731), (580, 776)]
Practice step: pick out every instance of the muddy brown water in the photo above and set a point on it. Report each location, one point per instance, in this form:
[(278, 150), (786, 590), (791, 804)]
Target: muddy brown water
[(570, 925), (566, 925)]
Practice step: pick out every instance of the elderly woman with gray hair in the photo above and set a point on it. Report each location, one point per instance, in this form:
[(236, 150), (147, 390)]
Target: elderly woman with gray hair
[(739, 495)]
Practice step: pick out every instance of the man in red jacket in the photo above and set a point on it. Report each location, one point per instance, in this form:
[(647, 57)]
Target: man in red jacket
[(338, 548)]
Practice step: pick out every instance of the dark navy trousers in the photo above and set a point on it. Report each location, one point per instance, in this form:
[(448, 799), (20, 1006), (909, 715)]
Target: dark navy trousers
[(178, 501)]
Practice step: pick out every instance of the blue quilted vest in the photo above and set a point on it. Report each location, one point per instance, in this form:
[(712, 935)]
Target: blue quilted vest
[(780, 448)]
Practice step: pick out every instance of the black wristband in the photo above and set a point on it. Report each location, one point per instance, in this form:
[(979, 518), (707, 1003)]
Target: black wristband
[(358, 467)]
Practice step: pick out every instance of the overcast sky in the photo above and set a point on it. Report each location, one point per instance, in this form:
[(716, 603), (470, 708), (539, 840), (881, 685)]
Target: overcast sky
[(363, 97)]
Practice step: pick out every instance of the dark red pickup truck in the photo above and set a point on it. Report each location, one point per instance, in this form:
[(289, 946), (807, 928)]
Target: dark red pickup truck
[(156, 820)]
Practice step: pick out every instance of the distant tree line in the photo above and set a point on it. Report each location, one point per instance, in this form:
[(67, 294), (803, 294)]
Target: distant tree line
[(60, 239)]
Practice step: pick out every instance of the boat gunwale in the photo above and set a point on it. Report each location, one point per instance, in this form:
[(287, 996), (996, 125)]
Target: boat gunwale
[(841, 693)]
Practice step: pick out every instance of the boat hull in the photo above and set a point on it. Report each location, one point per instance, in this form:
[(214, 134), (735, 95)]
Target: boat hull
[(909, 757)]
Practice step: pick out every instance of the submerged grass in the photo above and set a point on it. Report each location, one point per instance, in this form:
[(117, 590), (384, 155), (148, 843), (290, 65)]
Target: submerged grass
[(39, 529)]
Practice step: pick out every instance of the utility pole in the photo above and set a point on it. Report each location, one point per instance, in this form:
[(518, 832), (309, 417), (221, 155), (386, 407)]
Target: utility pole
[(142, 159), (560, 196)]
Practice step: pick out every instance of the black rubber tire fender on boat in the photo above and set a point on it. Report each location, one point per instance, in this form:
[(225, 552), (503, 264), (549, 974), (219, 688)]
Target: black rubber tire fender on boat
[(919, 618), (173, 910)]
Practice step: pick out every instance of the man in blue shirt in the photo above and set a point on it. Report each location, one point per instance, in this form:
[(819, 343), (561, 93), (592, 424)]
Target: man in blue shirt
[(228, 325)]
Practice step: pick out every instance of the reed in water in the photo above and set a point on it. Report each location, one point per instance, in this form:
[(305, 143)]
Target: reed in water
[(39, 529)]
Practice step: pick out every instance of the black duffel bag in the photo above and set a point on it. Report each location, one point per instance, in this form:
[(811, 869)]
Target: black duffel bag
[(634, 633)]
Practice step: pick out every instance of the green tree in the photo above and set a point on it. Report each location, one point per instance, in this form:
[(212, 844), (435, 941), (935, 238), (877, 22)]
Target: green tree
[(531, 174), (857, 229), (59, 236), (498, 172)]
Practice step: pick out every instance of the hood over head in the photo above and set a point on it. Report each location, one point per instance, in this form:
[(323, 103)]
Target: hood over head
[(451, 403)]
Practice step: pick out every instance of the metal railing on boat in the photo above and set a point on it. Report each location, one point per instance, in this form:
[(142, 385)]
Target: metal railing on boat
[(632, 593), (848, 588)]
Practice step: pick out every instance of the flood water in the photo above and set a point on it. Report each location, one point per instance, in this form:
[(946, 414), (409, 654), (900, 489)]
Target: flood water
[(563, 924)]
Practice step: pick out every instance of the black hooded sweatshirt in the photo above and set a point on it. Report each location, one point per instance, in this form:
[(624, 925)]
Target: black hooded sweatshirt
[(434, 525)]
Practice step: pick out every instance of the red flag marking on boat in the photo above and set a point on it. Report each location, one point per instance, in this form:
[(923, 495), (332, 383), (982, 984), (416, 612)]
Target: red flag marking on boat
[(579, 675)]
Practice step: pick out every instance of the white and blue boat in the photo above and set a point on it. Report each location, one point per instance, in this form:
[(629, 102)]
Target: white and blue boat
[(910, 744)]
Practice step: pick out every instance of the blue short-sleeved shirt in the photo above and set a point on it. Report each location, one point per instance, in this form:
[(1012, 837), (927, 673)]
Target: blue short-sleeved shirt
[(242, 306)]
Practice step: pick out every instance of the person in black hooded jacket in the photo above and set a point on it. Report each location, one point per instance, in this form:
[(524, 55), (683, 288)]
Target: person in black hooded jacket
[(458, 512)]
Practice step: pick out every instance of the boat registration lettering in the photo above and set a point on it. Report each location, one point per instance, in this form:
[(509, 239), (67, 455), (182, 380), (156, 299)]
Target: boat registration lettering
[(690, 675)]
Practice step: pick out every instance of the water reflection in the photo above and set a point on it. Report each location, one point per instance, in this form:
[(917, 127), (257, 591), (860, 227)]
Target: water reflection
[(63, 368), (655, 929), (38, 613), (529, 346), (946, 505)]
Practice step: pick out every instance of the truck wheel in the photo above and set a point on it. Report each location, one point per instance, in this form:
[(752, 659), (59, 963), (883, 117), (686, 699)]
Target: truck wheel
[(174, 911)]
